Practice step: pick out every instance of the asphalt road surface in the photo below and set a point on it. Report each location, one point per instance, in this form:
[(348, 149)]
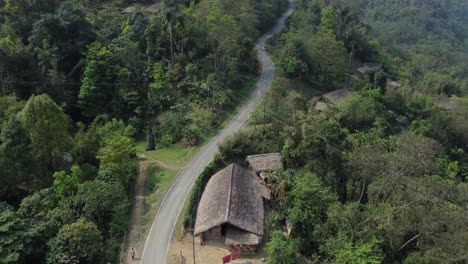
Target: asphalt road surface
[(159, 237)]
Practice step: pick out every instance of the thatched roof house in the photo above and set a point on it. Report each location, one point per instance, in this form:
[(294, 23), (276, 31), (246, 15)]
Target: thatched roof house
[(337, 97), (232, 207), (152, 8), (129, 10), (370, 66), (393, 85), (265, 162), (321, 106)]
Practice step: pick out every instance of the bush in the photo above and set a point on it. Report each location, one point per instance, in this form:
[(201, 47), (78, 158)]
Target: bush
[(190, 137), (170, 127)]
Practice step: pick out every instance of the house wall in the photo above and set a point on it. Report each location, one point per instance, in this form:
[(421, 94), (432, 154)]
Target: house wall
[(243, 248), (212, 234)]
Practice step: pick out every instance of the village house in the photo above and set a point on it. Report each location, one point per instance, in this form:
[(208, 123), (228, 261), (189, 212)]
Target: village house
[(231, 209), (264, 163), (332, 99)]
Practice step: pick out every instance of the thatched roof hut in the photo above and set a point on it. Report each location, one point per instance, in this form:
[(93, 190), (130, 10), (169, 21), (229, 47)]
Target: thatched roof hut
[(233, 196), (370, 66), (153, 8), (265, 162), (321, 106), (337, 97), (129, 9), (393, 85)]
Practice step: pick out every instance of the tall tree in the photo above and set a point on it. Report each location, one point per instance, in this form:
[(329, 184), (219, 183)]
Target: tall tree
[(16, 160), (15, 237), (80, 242), (47, 126)]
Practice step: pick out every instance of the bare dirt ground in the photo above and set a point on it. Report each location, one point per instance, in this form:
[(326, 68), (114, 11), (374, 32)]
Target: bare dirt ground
[(135, 238), (210, 252)]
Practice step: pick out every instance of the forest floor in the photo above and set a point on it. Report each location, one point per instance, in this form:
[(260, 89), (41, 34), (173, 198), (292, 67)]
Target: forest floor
[(157, 171)]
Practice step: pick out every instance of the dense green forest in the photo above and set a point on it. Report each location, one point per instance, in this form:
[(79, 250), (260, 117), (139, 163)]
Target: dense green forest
[(428, 40), (79, 81), (381, 178)]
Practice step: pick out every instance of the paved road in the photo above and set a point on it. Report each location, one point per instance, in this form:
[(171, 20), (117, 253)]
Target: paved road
[(159, 237)]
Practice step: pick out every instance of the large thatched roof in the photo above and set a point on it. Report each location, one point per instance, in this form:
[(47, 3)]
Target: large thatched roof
[(232, 196), (337, 97), (265, 162)]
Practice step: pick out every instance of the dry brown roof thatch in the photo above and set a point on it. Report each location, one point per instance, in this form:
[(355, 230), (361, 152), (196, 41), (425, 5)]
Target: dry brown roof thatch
[(232, 196), (321, 106), (337, 97), (153, 8), (265, 162)]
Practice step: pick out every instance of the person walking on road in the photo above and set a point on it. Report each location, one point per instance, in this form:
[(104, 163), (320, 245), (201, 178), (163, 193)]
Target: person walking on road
[(132, 253)]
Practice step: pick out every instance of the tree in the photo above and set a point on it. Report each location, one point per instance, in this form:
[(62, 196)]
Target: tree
[(307, 204), (329, 18), (344, 251), (223, 37), (281, 250), (47, 126), (15, 237), (96, 201), (158, 93), (67, 185), (360, 111), (80, 242), (99, 70), (119, 153), (16, 161)]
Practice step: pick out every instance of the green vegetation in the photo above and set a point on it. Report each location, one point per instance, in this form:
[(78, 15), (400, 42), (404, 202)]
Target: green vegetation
[(381, 177), (80, 81), (427, 40)]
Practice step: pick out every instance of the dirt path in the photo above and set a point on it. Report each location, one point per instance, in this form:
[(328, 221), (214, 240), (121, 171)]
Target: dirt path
[(138, 211)]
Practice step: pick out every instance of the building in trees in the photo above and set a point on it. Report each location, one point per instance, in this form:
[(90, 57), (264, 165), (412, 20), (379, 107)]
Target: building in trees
[(264, 163), (337, 97), (231, 208)]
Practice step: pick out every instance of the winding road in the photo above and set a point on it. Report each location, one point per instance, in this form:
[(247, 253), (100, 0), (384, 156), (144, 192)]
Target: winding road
[(159, 237)]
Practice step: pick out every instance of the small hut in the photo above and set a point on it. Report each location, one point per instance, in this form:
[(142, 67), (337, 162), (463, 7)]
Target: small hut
[(265, 162), (393, 85), (231, 208), (370, 67), (152, 8), (337, 97), (129, 10), (322, 107)]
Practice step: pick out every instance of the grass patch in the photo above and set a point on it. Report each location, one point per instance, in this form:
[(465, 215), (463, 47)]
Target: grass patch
[(173, 157), (159, 181)]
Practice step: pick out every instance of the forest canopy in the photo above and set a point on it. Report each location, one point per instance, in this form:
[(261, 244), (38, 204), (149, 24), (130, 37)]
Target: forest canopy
[(80, 81)]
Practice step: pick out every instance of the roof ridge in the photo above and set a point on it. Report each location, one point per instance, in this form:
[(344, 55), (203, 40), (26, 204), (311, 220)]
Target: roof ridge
[(228, 208), (264, 154)]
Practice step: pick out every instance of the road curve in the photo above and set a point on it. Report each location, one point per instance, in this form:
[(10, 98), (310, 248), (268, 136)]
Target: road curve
[(159, 237)]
